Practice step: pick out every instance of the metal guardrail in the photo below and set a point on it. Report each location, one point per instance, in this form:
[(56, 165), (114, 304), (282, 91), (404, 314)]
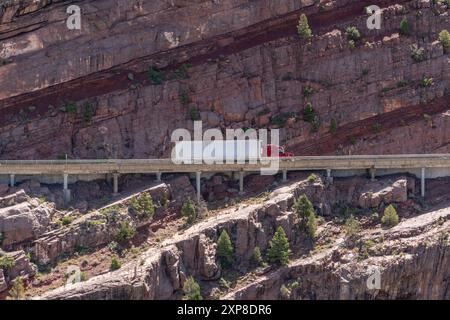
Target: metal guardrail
[(169, 161), (100, 166)]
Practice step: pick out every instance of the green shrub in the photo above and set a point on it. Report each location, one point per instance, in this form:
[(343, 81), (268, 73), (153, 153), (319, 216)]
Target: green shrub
[(307, 215), (285, 292), (308, 113), (312, 178), (189, 211), (307, 91), (115, 263), (256, 259), (182, 71), (17, 291), (195, 114), (70, 107), (225, 251), (351, 44), (66, 220), (126, 232), (156, 77), (303, 29), (2, 237), (417, 53), (402, 83), (404, 26), (315, 124), (280, 120), (390, 217), (377, 127), (143, 205), (333, 126), (278, 252), (351, 227), (184, 98), (426, 82), (192, 290), (6, 262), (352, 34), (88, 112), (444, 39)]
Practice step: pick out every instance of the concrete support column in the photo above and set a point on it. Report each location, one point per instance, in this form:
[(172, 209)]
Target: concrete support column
[(372, 174), (158, 176), (115, 183), (241, 182), (422, 183), (329, 177), (66, 190), (284, 175), (198, 180), (12, 178)]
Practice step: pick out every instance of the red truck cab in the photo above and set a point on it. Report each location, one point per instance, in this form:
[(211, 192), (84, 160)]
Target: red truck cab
[(271, 149)]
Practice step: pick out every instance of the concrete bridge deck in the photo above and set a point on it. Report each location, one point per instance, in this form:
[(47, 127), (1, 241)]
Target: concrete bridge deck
[(159, 166)]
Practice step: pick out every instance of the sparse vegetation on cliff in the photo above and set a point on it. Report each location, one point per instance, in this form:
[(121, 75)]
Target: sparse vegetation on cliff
[(6, 262), (17, 291), (444, 39), (278, 252), (303, 29), (417, 53), (192, 290), (143, 206), (156, 77), (126, 232)]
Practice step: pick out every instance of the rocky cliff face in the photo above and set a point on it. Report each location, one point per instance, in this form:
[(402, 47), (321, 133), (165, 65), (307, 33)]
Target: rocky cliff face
[(235, 66), (331, 271)]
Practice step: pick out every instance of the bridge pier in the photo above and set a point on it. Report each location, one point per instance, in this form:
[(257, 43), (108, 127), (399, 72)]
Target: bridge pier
[(12, 177), (329, 177), (241, 182), (285, 175), (372, 174), (422, 183), (158, 176), (115, 184), (198, 182), (66, 190)]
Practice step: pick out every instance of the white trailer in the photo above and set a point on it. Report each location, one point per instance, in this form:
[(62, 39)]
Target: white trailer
[(217, 151)]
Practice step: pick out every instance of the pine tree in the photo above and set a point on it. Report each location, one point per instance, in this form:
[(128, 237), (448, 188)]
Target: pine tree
[(225, 250), (303, 29), (404, 27), (191, 290), (256, 258), (305, 211), (390, 217), (189, 212), (278, 252)]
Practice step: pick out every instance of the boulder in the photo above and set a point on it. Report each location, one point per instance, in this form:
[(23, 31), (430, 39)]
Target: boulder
[(24, 222)]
